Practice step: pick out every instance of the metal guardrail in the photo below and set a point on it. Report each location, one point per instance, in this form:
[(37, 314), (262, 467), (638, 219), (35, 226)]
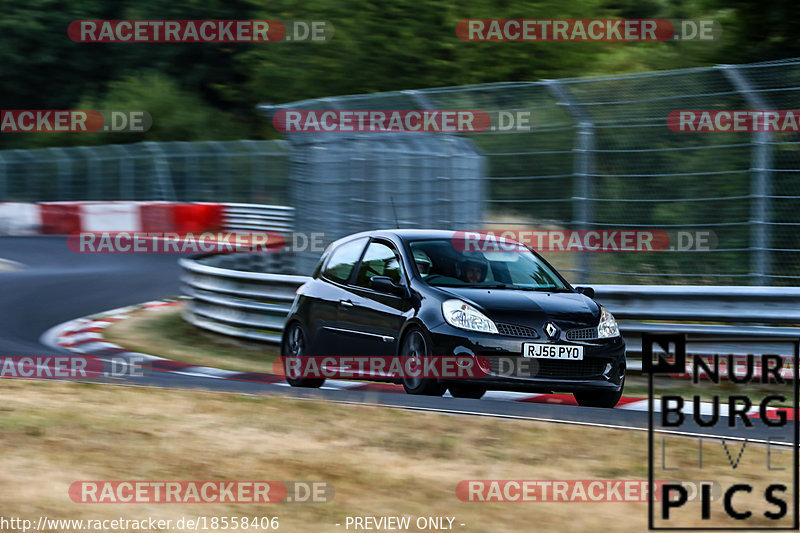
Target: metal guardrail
[(233, 295), (248, 305), (256, 217), (729, 304)]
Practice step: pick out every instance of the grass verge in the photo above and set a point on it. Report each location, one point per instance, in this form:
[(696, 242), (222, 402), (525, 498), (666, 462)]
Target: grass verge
[(380, 461), (164, 333)]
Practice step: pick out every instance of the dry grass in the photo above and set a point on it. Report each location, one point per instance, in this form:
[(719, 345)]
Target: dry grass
[(380, 461), (164, 333)]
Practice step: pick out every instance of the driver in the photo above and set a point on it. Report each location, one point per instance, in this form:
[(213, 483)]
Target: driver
[(473, 271)]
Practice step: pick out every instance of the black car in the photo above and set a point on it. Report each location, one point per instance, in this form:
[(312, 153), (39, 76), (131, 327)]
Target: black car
[(420, 293)]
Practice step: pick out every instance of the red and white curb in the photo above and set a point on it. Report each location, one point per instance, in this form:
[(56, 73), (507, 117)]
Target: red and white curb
[(84, 336)]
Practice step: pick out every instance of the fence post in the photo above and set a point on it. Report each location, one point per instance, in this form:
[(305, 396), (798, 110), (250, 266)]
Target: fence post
[(93, 183), (126, 191), (225, 171), (29, 182), (761, 184), (64, 167), (583, 168), (161, 168), (3, 179), (256, 188)]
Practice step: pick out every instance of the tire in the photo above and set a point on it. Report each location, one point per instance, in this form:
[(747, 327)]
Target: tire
[(467, 391), (606, 399), (294, 345), (415, 344)]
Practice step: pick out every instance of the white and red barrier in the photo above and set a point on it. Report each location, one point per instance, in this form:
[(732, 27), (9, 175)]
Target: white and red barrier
[(63, 218), (18, 218)]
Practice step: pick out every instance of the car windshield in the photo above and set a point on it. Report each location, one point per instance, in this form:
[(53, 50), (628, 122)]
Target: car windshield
[(442, 263)]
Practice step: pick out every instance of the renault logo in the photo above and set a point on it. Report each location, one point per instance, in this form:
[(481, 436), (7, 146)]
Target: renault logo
[(551, 330)]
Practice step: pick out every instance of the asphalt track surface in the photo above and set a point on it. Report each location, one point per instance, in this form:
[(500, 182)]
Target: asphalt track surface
[(57, 285)]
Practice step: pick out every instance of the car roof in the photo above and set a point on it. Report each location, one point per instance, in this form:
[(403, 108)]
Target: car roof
[(403, 234), (409, 235)]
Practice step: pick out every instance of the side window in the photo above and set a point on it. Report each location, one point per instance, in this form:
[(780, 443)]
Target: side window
[(379, 260), (342, 261)]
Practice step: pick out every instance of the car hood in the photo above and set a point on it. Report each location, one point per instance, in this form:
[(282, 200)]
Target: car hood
[(531, 308)]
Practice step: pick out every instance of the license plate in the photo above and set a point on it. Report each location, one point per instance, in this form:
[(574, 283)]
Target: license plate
[(552, 351)]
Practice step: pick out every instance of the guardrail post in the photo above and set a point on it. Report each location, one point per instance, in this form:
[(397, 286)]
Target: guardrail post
[(583, 168), (761, 184)]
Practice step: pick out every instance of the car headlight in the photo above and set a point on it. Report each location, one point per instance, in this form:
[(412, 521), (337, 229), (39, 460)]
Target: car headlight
[(608, 325), (462, 315)]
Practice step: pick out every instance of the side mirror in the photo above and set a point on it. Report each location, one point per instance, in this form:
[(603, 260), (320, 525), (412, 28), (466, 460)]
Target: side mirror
[(586, 291), (386, 285)]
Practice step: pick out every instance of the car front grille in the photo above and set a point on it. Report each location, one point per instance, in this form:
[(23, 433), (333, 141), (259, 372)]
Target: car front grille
[(526, 367), (513, 330), (582, 334)]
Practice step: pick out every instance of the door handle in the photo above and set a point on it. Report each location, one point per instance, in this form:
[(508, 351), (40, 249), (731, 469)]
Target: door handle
[(346, 303)]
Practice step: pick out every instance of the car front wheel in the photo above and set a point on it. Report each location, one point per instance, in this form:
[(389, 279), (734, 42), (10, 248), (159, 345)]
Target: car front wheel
[(416, 346)]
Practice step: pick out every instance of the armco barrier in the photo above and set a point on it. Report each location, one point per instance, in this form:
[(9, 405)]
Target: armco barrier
[(255, 217), (248, 305), (233, 295), (729, 304)]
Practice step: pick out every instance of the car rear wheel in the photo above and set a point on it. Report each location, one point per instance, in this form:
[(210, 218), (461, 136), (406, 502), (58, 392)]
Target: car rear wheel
[(605, 399), (416, 346), (467, 391), (294, 346)]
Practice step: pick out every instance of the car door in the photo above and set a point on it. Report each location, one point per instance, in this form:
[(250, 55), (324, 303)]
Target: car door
[(329, 295), (371, 321)]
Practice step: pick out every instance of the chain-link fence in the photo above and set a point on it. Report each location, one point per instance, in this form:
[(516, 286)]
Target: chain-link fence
[(231, 171), (600, 156)]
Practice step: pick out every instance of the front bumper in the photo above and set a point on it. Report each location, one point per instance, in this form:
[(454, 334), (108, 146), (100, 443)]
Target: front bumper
[(602, 368)]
